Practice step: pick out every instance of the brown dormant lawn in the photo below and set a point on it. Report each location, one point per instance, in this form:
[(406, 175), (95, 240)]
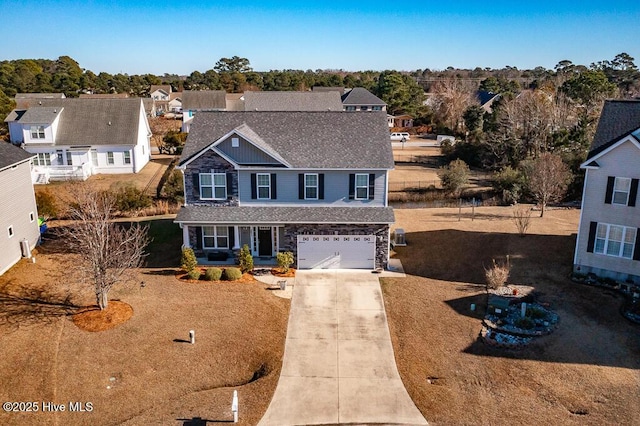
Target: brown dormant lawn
[(586, 372), (143, 371)]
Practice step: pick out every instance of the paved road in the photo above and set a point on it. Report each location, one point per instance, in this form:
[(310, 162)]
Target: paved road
[(338, 362)]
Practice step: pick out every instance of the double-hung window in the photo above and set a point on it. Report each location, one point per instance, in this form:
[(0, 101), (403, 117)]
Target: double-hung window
[(311, 186), (615, 240), (110, 159), (362, 186), (69, 158), (215, 237), (42, 159), (263, 183), (127, 157), (37, 132), (213, 186), (621, 189)]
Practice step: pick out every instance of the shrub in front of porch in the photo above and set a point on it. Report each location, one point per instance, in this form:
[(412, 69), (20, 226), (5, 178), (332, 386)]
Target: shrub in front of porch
[(194, 274), (188, 261), (232, 274), (245, 259), (213, 274), (285, 260)]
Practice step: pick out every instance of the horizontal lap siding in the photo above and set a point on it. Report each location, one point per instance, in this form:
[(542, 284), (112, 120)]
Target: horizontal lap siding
[(336, 189), (17, 200), (621, 162)]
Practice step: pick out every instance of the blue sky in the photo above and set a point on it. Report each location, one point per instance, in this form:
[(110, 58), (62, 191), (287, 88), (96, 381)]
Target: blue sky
[(138, 37)]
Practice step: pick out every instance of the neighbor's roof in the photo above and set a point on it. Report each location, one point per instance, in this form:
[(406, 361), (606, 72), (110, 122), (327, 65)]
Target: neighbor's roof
[(88, 121), (40, 115), (203, 100), (274, 215), (341, 140), (328, 89), (618, 119), (11, 154), (40, 96), (292, 101), (104, 95), (166, 88), (361, 96)]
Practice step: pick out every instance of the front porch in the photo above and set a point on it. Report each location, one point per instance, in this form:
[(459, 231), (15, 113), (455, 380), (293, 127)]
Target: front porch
[(231, 260)]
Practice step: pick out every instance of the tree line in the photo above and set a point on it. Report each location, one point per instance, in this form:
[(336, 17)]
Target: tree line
[(539, 110)]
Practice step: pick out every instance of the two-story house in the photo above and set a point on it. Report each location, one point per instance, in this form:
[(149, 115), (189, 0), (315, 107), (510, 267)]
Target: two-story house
[(608, 242), (313, 183), (75, 138), (19, 231)]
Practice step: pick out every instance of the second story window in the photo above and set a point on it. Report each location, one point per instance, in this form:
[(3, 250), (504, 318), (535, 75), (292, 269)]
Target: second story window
[(264, 186), (364, 108), (362, 186), (311, 186), (37, 132), (213, 186), (621, 190), (377, 108)]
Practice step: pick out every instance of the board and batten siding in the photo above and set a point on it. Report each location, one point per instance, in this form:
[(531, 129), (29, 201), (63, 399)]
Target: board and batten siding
[(17, 203), (336, 188), (621, 161)]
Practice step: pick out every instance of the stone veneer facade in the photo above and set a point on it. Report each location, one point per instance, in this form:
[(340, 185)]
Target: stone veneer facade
[(290, 241), (211, 163)]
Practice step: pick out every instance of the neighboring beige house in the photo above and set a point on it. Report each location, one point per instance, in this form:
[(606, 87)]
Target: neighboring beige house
[(19, 231), (608, 242), (404, 120), (76, 138)]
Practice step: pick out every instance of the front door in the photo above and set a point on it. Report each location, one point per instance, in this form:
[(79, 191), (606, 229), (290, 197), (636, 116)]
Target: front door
[(265, 244)]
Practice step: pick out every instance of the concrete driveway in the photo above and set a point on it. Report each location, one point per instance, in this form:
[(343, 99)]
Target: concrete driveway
[(338, 362)]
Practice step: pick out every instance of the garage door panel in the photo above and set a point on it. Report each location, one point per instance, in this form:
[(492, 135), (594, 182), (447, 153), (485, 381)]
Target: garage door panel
[(336, 251)]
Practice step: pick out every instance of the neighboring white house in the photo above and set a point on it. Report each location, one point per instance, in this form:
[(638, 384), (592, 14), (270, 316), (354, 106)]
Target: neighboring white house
[(608, 242), (19, 231), (76, 138)]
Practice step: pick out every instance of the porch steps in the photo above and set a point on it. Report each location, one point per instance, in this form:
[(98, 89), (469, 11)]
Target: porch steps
[(42, 179)]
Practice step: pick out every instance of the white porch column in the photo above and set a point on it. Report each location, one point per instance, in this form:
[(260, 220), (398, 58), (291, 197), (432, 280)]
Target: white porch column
[(236, 237), (185, 236)]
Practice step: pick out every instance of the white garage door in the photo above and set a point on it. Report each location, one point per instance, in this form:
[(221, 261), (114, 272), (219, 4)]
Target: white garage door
[(336, 251)]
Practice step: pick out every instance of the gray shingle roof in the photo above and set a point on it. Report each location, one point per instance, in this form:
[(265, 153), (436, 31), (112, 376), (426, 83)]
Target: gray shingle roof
[(275, 215), (11, 154), (292, 101), (204, 100), (619, 118), (361, 96), (40, 115), (341, 140), (93, 121)]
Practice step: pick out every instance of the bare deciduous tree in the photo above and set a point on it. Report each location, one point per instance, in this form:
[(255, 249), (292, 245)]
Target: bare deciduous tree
[(522, 219), (548, 179), (108, 251), (451, 98)]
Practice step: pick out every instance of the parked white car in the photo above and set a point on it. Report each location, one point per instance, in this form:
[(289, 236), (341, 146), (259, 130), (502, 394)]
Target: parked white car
[(398, 136)]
